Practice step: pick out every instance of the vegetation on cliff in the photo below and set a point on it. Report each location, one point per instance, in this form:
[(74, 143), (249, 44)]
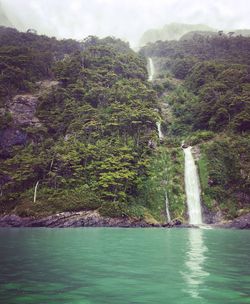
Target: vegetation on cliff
[(89, 148), (204, 83), (78, 125)]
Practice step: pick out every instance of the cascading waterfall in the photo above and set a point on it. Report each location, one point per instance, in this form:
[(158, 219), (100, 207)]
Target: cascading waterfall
[(160, 134), (151, 69), (192, 187), (151, 72), (167, 208)]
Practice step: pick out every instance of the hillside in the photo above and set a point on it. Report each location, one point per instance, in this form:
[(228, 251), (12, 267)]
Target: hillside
[(76, 122), (78, 128), (204, 84)]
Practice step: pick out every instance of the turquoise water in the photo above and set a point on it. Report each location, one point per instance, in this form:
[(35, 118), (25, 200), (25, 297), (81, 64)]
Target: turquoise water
[(111, 265)]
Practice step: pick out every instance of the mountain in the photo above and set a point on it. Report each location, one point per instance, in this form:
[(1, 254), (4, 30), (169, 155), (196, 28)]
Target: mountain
[(242, 32), (77, 122), (172, 31), (198, 34), (176, 31), (204, 84)]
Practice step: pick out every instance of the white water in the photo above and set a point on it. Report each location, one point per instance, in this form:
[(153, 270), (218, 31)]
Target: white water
[(160, 134), (151, 69), (167, 208), (192, 187), (35, 191)]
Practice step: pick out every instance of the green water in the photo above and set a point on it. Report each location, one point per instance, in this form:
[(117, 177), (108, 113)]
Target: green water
[(95, 265)]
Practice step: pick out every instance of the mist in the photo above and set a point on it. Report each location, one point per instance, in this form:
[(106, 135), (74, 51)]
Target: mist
[(124, 19)]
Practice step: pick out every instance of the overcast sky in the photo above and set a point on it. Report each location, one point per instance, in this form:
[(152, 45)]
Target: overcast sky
[(126, 19)]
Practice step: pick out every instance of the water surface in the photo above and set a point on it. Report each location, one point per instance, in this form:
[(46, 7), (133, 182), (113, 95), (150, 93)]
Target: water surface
[(112, 265)]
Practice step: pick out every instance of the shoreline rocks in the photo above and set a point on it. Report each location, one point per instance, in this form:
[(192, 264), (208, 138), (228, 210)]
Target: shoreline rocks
[(72, 219), (94, 219), (241, 222)]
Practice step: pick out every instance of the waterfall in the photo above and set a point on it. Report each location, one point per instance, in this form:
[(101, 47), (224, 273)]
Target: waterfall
[(151, 72), (167, 208), (192, 187), (35, 191), (160, 134), (151, 69)]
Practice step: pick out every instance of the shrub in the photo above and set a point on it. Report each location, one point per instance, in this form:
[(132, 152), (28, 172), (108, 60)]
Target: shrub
[(113, 209), (200, 136)]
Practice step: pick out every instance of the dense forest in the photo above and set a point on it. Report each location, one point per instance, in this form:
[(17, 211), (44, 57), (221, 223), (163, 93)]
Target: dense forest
[(76, 122), (78, 125), (204, 83)]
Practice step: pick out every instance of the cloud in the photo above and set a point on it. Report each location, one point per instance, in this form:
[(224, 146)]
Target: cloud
[(126, 19)]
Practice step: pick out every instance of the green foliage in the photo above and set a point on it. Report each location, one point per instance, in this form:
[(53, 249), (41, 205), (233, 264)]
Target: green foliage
[(165, 176), (179, 99), (210, 108), (219, 48), (91, 148), (223, 174), (27, 57), (199, 137), (181, 67), (113, 209), (5, 119), (217, 71), (204, 181), (51, 201)]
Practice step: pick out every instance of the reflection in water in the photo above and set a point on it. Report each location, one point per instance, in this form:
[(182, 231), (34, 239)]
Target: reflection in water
[(194, 274)]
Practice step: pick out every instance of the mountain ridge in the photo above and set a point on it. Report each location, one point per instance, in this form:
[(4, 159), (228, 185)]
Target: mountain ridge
[(176, 31)]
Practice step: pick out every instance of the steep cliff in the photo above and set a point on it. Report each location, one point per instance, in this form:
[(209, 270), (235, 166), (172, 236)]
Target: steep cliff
[(76, 122), (204, 83)]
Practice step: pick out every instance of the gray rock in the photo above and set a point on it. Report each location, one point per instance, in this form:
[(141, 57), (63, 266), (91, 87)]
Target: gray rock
[(12, 136), (94, 219), (73, 219), (241, 222), (23, 109)]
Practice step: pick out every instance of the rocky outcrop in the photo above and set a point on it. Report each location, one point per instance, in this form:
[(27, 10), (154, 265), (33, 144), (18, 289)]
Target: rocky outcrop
[(12, 136), (211, 216), (241, 222), (73, 219), (22, 109), (196, 152), (46, 84)]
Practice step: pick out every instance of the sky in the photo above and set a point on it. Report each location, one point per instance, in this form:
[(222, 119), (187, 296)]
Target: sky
[(126, 19)]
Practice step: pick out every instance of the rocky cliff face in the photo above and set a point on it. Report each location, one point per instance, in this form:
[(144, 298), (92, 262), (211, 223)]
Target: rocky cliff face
[(11, 137), (22, 109)]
